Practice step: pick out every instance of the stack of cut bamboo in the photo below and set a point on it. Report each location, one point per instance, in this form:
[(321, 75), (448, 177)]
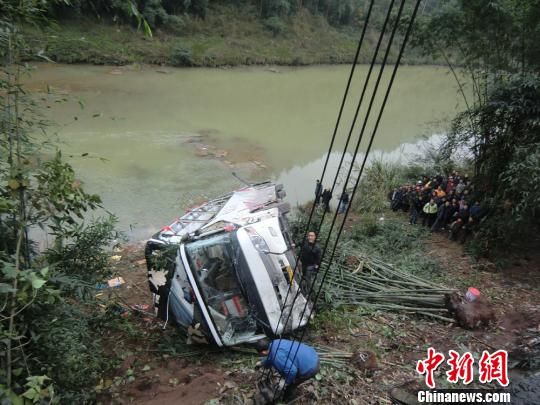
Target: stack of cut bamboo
[(378, 285), (333, 357)]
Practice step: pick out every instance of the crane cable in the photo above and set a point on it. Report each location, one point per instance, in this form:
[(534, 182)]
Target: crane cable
[(353, 124), (338, 121), (374, 58), (368, 113), (373, 134)]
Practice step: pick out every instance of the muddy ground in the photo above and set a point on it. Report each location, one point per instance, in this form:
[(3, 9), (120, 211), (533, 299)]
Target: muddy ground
[(159, 368)]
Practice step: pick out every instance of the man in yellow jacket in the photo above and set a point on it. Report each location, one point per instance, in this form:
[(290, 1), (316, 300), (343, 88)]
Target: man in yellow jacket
[(430, 213)]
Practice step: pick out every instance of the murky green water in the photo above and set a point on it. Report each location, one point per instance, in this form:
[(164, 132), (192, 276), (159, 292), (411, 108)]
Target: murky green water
[(142, 122)]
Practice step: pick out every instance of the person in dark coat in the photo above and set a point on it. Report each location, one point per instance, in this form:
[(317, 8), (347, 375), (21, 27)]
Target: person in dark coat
[(444, 213), (310, 256), (464, 213), (476, 210), (318, 191), (455, 229), (326, 197), (405, 199), (416, 206), (343, 202), (468, 229), (395, 201), (452, 211)]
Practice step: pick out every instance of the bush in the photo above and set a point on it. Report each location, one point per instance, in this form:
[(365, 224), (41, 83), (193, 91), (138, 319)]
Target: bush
[(367, 228), (379, 178), (507, 128), (182, 57), (199, 7), (83, 258), (175, 24), (298, 221), (154, 13), (68, 350), (275, 25)]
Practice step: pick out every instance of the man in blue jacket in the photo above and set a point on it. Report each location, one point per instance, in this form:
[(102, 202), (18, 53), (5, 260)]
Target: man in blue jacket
[(295, 362)]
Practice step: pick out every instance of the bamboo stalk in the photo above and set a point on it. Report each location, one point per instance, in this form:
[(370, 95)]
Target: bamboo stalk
[(381, 286)]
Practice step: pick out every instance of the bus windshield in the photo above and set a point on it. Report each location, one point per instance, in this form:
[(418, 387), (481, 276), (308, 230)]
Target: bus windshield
[(212, 261)]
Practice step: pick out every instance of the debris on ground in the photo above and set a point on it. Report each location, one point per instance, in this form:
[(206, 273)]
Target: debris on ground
[(112, 283), (405, 394), (365, 361), (527, 351), (115, 282), (470, 315), (178, 371)]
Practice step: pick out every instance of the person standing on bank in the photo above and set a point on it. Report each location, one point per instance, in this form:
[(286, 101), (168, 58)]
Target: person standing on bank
[(326, 197), (310, 256), (343, 202), (318, 191), (430, 213), (296, 362)]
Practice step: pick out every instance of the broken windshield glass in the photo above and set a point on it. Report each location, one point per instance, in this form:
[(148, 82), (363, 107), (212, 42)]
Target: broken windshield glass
[(212, 261)]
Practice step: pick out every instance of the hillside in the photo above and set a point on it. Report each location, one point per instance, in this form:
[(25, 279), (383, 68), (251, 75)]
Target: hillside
[(227, 36)]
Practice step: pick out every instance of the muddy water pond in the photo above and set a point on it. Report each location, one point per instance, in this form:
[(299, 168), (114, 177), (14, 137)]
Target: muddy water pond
[(158, 140)]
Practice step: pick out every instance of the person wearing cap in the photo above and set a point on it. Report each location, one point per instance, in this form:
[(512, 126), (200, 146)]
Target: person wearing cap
[(296, 362)]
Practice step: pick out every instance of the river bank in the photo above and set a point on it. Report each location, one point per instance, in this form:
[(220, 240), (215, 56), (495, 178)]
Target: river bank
[(226, 37)]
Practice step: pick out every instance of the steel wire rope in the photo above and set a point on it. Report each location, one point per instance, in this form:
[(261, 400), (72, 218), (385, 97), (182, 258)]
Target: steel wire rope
[(366, 82), (355, 118), (381, 111), (338, 121)]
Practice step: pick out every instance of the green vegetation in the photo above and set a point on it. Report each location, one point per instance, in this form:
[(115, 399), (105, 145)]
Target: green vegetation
[(231, 33), (386, 238), (496, 42), (223, 38), (50, 339), (171, 13)]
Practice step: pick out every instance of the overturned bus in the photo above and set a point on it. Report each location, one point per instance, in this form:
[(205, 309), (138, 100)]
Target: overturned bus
[(224, 268)]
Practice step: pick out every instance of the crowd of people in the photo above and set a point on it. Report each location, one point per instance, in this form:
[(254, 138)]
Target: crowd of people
[(441, 204)]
